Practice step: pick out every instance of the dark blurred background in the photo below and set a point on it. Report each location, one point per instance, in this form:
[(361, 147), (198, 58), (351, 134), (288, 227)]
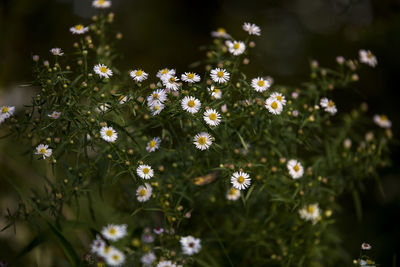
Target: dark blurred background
[(168, 33)]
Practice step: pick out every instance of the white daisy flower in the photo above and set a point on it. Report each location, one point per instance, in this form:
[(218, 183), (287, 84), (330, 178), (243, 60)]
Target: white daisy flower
[(157, 95), (295, 168), (310, 213), (148, 258), (274, 106), (144, 192), (202, 141), (138, 75), (252, 29), (260, 85), (98, 245), (215, 92), (190, 77), (382, 121), (101, 4), (165, 73), (55, 115), (220, 33), (108, 134), (191, 104), (153, 144), (57, 51), (123, 99), (156, 107), (103, 71), (44, 150), (114, 232), (279, 97), (233, 194), (190, 245), (236, 48), (368, 58), (115, 257), (328, 105), (103, 107), (171, 82), (79, 29), (145, 171), (220, 75), (105, 251), (6, 112), (366, 246), (212, 117), (166, 264), (240, 180)]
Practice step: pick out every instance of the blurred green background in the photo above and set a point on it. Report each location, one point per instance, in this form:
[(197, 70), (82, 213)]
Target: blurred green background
[(161, 34)]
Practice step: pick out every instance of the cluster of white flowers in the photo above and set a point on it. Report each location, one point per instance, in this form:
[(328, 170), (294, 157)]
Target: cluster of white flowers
[(275, 103)]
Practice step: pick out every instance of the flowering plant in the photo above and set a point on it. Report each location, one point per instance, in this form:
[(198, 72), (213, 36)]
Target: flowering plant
[(210, 169)]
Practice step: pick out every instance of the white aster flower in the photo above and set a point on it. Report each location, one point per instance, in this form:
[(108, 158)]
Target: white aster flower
[(190, 77), (191, 104), (166, 264), (57, 51), (145, 171), (123, 99), (148, 258), (202, 141), (115, 257), (215, 92), (103, 107), (310, 212), (114, 232), (367, 263), (260, 85), (101, 4), (233, 194), (190, 245), (98, 245), (108, 134), (236, 48), (274, 106), (44, 151), (156, 107), (165, 73), (212, 117), (220, 33), (279, 97), (368, 58), (171, 82), (295, 168), (328, 105), (144, 192), (103, 71), (240, 180), (55, 115), (382, 121), (79, 29), (153, 144), (220, 75), (252, 29), (6, 112), (138, 75), (157, 95)]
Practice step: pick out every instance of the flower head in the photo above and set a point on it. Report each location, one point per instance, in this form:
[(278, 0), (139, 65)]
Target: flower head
[(273, 105), (153, 144), (101, 4), (138, 75), (252, 29), (236, 48), (148, 258), (108, 134), (191, 104), (310, 212), (56, 51), (279, 97), (114, 232), (260, 85), (163, 73), (190, 77), (295, 168), (190, 245), (6, 112), (202, 141), (79, 29), (220, 75), (328, 105), (212, 117), (233, 194), (170, 82), (240, 180), (382, 121), (366, 246), (156, 107), (166, 264), (55, 115), (103, 71), (115, 257), (123, 99), (44, 151), (215, 92), (368, 58), (144, 192), (145, 171), (220, 33), (97, 245)]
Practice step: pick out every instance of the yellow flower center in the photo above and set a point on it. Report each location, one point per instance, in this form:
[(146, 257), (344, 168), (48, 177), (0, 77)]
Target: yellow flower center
[(240, 179), (155, 96), (112, 231), (115, 257), (156, 107), (261, 83), (4, 109), (191, 103), (221, 30), (152, 143), (139, 73), (279, 98), (79, 27), (146, 170), (274, 105), (296, 168), (384, 118), (172, 79), (142, 192), (310, 209), (109, 133), (202, 140), (370, 55), (213, 116), (103, 69), (190, 76), (164, 71), (42, 151), (102, 2), (220, 74), (107, 249), (233, 191), (121, 97), (216, 91), (236, 46), (331, 103)]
